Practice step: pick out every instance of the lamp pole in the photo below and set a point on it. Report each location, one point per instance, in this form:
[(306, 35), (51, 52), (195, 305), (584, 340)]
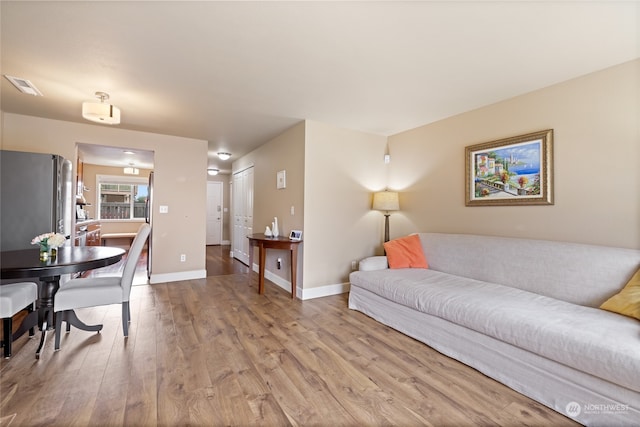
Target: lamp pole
[(386, 226)]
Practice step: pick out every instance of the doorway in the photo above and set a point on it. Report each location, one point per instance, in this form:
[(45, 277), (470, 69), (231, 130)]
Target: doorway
[(214, 213)]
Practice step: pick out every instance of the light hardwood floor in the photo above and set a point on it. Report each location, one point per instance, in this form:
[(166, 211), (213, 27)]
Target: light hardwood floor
[(213, 352)]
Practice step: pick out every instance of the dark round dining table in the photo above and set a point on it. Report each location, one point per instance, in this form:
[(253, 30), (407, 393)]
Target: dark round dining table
[(26, 264)]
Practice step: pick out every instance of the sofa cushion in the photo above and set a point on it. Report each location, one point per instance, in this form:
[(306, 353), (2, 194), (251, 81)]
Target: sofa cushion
[(627, 301), (594, 341), (405, 252), (577, 273)]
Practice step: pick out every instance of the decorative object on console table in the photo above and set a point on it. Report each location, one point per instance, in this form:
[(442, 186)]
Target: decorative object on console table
[(275, 230), (386, 201)]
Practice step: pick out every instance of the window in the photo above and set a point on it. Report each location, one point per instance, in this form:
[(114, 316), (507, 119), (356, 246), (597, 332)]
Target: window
[(122, 197)]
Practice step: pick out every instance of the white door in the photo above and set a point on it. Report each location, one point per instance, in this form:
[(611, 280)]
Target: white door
[(238, 213), (248, 212), (214, 213), (242, 213)]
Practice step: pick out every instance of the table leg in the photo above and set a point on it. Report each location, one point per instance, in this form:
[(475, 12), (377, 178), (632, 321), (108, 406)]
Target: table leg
[(294, 271), (263, 256), (29, 322), (71, 318), (47, 289)]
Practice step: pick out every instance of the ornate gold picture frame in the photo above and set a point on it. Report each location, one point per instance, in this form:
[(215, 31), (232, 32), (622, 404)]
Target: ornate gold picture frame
[(511, 171)]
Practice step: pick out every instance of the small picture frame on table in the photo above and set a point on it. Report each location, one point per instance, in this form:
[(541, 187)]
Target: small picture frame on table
[(295, 235)]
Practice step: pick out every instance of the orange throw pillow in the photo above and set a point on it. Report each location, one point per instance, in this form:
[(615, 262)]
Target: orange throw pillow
[(405, 252)]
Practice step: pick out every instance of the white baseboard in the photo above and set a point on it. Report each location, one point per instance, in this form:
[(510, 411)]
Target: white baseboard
[(225, 242), (304, 294), (325, 291), (176, 277)]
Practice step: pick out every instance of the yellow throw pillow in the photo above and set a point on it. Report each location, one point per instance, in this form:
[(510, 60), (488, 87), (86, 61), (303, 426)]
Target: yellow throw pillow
[(627, 301)]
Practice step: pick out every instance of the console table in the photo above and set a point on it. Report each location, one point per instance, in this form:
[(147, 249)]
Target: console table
[(263, 243)]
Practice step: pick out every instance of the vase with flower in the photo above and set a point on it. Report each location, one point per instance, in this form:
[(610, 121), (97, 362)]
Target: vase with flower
[(48, 244)]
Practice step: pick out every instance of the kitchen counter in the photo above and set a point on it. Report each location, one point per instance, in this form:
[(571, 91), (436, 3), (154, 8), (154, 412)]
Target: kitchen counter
[(87, 233), (86, 221)]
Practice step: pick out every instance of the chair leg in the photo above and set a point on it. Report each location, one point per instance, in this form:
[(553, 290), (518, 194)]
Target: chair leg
[(59, 317), (7, 326), (126, 318)]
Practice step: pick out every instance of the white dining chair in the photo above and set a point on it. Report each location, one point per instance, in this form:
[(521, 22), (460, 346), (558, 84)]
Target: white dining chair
[(101, 290), (14, 298)]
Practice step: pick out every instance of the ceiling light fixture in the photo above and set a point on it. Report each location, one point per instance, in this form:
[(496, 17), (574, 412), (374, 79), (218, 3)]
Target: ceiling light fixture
[(223, 155), (100, 112), (213, 171), (131, 171)]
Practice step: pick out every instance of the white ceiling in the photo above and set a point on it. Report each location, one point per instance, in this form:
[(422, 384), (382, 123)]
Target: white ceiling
[(239, 73)]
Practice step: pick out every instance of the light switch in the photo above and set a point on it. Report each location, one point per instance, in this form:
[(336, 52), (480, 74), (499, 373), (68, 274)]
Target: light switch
[(293, 211), (164, 209)]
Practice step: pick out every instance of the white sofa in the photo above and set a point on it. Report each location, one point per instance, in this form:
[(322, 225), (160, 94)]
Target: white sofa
[(524, 312)]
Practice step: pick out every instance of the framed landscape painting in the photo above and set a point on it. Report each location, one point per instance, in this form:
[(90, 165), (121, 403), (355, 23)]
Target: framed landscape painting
[(511, 171)]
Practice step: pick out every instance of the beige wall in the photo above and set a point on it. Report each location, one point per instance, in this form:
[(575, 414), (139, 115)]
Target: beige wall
[(331, 173), (89, 177), (180, 182), (596, 156), (342, 168), (284, 152)]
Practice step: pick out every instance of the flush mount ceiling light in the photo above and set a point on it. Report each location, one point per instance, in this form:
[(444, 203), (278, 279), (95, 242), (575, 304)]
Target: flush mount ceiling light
[(213, 171), (131, 171), (101, 112), (24, 85), (223, 155)]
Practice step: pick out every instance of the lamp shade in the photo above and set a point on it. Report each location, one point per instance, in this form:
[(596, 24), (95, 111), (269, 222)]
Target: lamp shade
[(101, 113), (386, 201)]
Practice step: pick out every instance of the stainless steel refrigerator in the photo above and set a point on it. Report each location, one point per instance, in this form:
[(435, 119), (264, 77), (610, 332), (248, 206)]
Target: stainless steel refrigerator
[(35, 197)]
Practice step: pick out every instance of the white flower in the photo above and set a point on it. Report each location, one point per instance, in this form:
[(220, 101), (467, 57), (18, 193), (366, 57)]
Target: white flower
[(49, 239), (56, 240)]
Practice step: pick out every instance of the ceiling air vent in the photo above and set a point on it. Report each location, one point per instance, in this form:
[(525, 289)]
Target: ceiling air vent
[(24, 86)]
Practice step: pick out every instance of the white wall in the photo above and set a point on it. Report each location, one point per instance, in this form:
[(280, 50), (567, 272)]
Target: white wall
[(180, 166), (596, 164)]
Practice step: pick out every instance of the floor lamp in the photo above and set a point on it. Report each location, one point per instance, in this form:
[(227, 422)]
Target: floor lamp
[(386, 201)]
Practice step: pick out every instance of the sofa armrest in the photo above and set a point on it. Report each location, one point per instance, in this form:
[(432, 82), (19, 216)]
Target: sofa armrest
[(373, 263)]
